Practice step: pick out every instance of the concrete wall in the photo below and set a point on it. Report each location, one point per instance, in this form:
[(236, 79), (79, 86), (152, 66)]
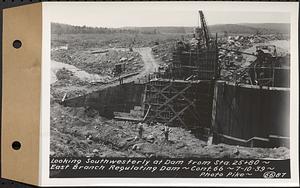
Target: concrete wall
[(242, 113), (121, 98), (282, 77)]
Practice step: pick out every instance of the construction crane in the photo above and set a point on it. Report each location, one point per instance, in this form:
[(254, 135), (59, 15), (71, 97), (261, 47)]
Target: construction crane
[(205, 33), (196, 60)]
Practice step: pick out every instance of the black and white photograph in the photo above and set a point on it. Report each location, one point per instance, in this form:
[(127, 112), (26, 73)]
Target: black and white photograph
[(150, 93), (176, 84)]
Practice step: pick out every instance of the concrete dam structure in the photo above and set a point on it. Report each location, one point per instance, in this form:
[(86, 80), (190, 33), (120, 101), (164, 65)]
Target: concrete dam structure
[(240, 115)]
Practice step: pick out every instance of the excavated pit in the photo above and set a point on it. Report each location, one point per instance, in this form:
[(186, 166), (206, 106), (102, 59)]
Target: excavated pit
[(239, 115)]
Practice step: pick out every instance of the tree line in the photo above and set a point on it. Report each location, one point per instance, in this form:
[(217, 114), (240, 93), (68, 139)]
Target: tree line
[(57, 28)]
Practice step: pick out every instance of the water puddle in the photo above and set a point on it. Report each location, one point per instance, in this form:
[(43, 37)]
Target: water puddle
[(83, 75)]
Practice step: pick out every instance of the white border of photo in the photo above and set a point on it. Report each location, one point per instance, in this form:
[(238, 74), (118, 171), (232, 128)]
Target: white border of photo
[(49, 9)]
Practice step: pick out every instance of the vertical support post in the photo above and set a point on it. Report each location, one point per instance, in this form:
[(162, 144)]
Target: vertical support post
[(213, 114), (144, 98), (216, 62), (273, 74)]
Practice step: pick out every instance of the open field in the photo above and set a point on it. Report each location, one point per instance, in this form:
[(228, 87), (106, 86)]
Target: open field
[(107, 40)]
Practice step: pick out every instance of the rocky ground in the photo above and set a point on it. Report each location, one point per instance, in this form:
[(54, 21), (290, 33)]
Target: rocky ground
[(163, 51), (66, 78), (80, 132), (95, 61), (231, 63)]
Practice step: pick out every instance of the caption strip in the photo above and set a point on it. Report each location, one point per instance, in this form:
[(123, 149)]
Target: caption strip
[(163, 168)]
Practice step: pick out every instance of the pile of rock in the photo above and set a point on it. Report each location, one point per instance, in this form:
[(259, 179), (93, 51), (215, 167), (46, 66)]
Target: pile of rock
[(163, 51), (99, 63)]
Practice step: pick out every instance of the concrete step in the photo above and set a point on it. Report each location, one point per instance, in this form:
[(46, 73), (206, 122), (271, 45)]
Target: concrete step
[(127, 116), (128, 119), (132, 113), (137, 108), (121, 114), (136, 113)]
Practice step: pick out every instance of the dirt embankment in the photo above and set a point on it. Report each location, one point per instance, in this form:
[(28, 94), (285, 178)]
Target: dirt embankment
[(102, 64), (163, 52), (82, 132), (80, 81), (83, 75)]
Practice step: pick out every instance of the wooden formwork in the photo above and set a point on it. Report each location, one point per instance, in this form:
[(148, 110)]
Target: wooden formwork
[(202, 64), (186, 104), (250, 115)]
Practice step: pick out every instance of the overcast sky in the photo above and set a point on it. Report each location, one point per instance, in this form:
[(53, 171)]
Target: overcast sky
[(163, 14)]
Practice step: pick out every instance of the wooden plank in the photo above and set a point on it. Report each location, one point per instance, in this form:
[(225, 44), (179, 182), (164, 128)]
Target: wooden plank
[(166, 103), (123, 118), (180, 112)]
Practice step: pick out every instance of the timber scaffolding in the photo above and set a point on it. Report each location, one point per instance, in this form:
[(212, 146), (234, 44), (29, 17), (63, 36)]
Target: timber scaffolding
[(183, 94), (179, 103), (195, 64)]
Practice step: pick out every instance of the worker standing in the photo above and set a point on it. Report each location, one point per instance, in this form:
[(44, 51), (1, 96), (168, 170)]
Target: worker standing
[(166, 132), (140, 129), (121, 80)]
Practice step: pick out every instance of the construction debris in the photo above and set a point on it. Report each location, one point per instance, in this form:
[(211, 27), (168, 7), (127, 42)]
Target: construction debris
[(115, 139), (233, 62)]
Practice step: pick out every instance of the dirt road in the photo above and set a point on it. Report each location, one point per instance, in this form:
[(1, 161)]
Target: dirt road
[(150, 66), (83, 75)]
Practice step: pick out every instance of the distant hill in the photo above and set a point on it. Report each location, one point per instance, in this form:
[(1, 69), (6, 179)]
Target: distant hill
[(58, 28), (155, 30), (249, 28), (244, 28), (283, 28), (232, 29)]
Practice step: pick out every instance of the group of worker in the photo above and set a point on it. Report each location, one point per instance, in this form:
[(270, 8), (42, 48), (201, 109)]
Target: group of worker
[(166, 131)]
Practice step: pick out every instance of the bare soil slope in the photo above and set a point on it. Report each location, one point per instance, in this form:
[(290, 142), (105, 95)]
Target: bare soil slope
[(83, 133)]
